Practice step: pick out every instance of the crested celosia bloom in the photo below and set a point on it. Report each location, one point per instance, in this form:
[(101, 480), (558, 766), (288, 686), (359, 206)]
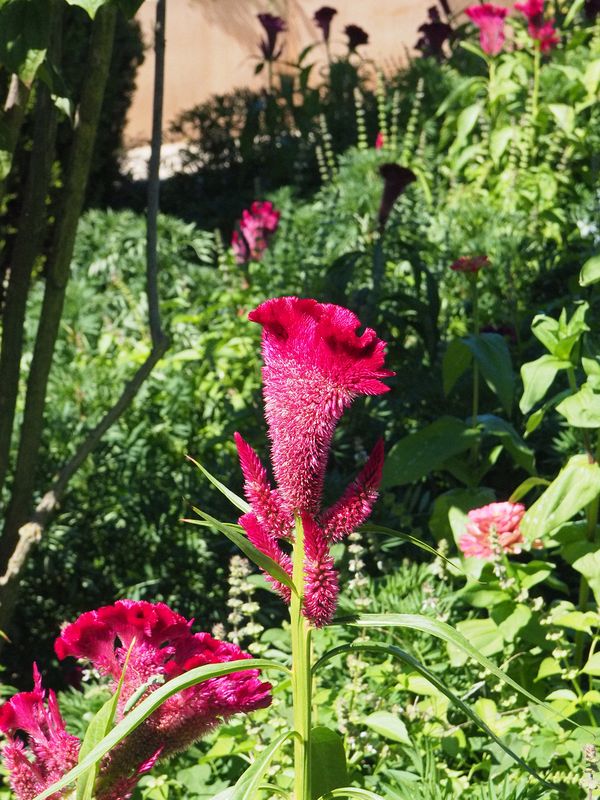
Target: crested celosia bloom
[(542, 31), (273, 27), (322, 18), (396, 179), (315, 365), (356, 37), (493, 529), (490, 21), (256, 228), (470, 263), (164, 647)]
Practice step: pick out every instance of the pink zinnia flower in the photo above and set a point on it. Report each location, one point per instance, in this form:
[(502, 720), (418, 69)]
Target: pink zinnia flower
[(323, 18), (255, 229), (490, 21), (492, 528), (315, 365), (470, 263), (164, 648)]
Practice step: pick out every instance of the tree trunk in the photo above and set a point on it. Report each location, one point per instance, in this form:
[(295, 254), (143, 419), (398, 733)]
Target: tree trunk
[(10, 126), (57, 276), (26, 248)]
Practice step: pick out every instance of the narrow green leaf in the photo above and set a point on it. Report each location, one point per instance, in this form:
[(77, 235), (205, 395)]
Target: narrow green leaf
[(446, 633), (248, 549), (350, 791), (328, 761), (237, 501), (572, 13), (248, 783), (425, 451), (149, 705), (406, 537), (100, 725), (407, 658), (525, 487)]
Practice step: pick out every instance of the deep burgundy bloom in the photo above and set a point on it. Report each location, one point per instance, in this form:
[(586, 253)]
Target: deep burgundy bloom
[(315, 365), (323, 18), (48, 750), (396, 179), (470, 263), (273, 27), (356, 37), (492, 529), (255, 229), (490, 21)]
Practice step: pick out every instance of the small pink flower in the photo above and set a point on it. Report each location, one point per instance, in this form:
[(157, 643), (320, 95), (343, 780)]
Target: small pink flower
[(379, 141), (490, 21), (255, 229), (470, 263), (541, 31), (491, 528), (532, 9), (48, 751), (315, 365)]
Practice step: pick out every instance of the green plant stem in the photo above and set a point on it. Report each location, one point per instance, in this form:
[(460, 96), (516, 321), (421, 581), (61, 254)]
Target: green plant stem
[(301, 673), (536, 83), (475, 404)]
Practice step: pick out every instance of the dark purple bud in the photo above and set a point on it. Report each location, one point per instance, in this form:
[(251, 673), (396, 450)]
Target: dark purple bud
[(273, 26), (323, 19), (356, 37), (396, 179)]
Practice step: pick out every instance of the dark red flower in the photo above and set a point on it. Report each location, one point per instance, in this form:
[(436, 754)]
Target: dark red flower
[(322, 19), (542, 31), (470, 263), (356, 37), (396, 179), (273, 26)]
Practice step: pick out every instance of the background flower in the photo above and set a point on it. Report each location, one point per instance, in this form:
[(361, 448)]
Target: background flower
[(493, 529), (490, 21)]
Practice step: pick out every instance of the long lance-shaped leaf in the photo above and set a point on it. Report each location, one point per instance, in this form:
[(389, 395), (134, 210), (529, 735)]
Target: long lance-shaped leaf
[(150, 704), (448, 634), (233, 498), (350, 791), (249, 782), (96, 731), (248, 549), (397, 652), (368, 528)]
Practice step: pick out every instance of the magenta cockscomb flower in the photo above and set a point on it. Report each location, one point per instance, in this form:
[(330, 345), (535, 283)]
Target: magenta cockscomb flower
[(533, 10), (490, 21), (379, 141), (356, 37), (315, 365), (163, 647), (492, 530), (273, 26), (470, 263), (322, 18), (541, 31), (47, 751), (255, 229)]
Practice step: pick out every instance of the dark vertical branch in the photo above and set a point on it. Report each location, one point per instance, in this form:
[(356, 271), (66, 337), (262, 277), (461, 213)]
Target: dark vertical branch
[(25, 250), (12, 120), (153, 175), (57, 276)]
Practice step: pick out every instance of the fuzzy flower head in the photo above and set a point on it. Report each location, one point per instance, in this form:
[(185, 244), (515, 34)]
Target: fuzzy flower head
[(356, 37), (315, 365), (47, 751), (256, 227), (273, 26), (490, 21), (322, 18), (541, 31), (493, 529), (470, 264)]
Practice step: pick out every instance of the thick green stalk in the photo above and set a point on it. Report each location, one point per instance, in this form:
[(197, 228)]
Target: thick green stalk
[(475, 402), (301, 673), (536, 82)]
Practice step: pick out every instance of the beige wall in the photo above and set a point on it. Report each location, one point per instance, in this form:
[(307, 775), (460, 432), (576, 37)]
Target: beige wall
[(212, 44)]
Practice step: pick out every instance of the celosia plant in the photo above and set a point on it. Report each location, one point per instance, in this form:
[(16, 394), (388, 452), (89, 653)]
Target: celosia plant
[(255, 229), (493, 530), (489, 18), (541, 31), (161, 646)]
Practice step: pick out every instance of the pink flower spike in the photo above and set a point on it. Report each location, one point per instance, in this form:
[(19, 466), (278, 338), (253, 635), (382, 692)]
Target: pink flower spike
[(315, 365), (490, 21), (379, 141), (321, 587), (355, 505), (265, 541), (492, 529), (546, 34), (533, 10)]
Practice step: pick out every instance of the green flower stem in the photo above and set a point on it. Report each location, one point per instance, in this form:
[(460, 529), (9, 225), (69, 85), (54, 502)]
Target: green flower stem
[(535, 95), (475, 404), (301, 673)]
